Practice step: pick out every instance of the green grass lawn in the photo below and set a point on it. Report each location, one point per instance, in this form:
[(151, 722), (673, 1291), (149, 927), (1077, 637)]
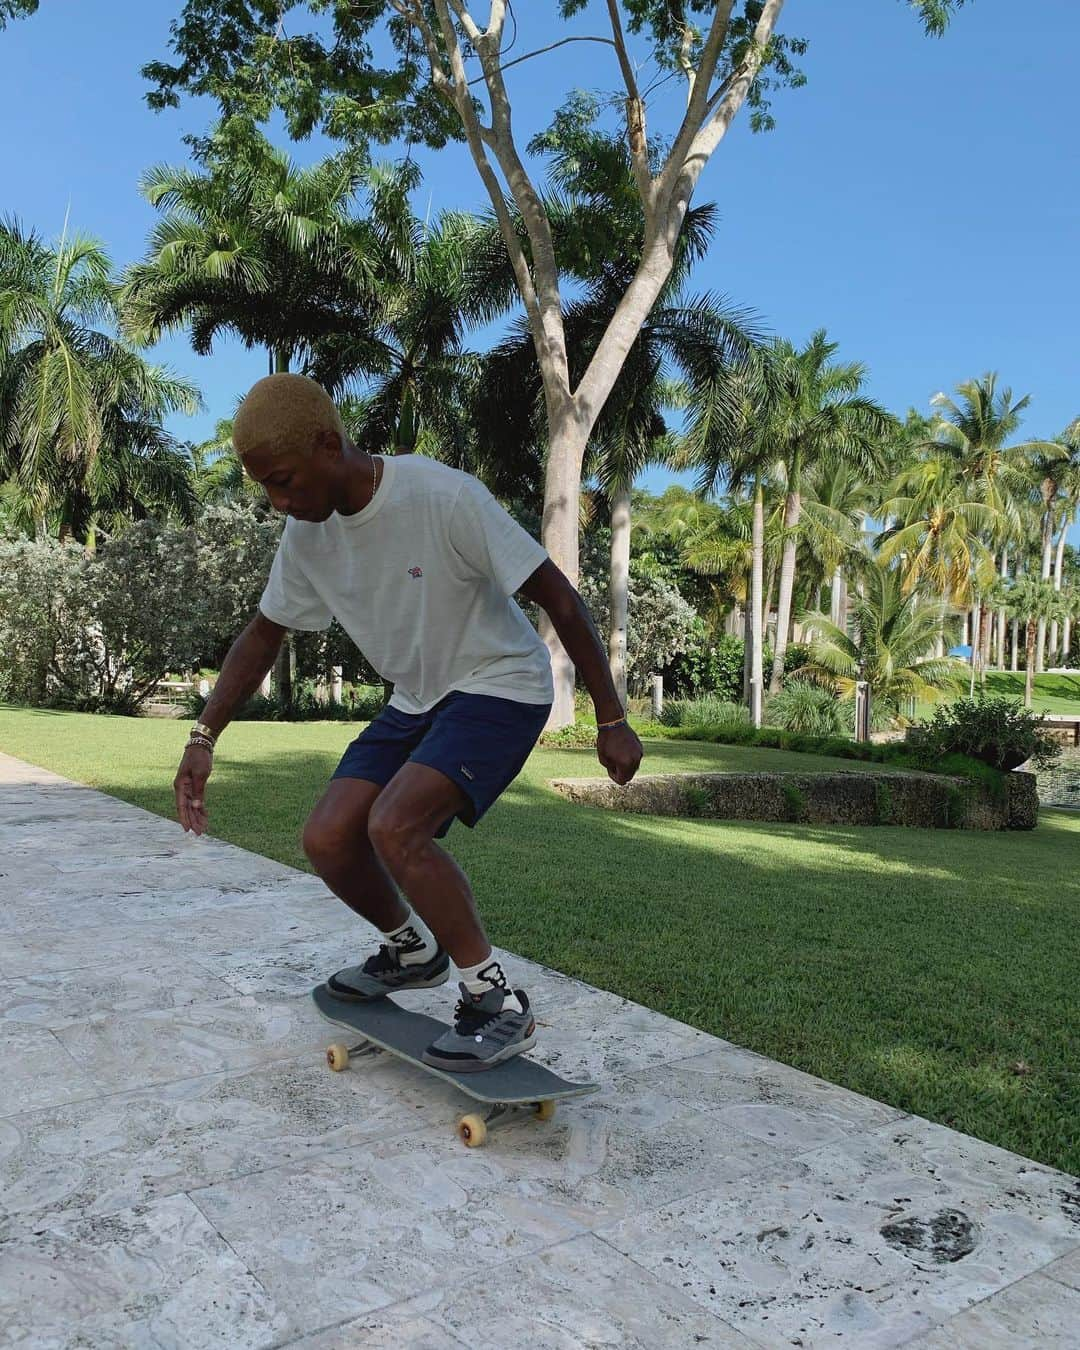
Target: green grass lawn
[(1052, 693), (915, 966)]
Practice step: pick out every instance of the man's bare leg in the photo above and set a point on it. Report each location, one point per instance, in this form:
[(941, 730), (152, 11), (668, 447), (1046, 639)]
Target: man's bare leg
[(337, 844), (401, 828)]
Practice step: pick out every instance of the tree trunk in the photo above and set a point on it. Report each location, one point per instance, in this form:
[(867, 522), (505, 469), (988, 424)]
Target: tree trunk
[(1001, 612), (1029, 673), (618, 587), (984, 644), (1059, 564), (792, 512), (838, 599), (756, 584), (1015, 662), (559, 535), (748, 643), (283, 674), (1066, 641), (1047, 559)]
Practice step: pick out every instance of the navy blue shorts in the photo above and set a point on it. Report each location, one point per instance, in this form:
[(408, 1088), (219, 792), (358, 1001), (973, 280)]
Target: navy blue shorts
[(478, 741)]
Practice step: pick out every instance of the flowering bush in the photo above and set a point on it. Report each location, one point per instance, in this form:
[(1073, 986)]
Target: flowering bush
[(97, 631)]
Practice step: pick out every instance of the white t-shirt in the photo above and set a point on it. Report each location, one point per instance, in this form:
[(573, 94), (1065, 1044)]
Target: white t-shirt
[(421, 580)]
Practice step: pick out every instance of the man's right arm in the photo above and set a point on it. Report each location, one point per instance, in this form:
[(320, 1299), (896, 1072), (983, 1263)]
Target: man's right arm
[(249, 659)]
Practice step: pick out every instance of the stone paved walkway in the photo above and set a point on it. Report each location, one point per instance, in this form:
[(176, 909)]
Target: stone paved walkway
[(178, 1168)]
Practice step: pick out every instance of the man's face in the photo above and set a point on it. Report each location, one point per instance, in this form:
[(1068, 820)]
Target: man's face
[(298, 485)]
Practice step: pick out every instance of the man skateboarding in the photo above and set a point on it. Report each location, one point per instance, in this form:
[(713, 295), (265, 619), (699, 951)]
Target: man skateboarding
[(419, 564)]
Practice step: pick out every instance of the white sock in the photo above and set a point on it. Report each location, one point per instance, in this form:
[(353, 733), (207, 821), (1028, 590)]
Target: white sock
[(414, 941), (488, 975)]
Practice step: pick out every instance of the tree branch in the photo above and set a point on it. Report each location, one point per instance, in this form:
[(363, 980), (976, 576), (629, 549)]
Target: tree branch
[(635, 114), (540, 51), (546, 321), (730, 97), (699, 92)]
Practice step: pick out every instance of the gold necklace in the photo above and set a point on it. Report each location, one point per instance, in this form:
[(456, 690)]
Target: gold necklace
[(376, 467)]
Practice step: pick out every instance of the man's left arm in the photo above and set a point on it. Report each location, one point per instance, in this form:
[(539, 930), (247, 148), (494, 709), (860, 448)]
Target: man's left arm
[(617, 746)]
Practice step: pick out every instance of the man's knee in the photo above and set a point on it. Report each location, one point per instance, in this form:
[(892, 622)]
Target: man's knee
[(395, 833), (330, 840)]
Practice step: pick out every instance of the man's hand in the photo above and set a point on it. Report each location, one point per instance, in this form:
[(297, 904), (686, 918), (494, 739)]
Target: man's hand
[(619, 751), (190, 788)]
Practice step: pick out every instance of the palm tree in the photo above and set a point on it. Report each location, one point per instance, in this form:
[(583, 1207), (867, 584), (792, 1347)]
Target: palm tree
[(1033, 601), (415, 378), (1050, 470), (820, 415), (254, 246), (973, 430), (938, 534), (81, 441), (891, 647), (1068, 481)]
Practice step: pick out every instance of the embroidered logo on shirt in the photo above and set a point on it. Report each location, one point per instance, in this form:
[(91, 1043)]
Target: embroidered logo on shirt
[(466, 772), (416, 571)]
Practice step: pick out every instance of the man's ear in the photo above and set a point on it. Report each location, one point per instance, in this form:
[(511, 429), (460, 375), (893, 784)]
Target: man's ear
[(330, 443)]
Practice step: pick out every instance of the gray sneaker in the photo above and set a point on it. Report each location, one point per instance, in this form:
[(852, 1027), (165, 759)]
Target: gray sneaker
[(384, 974), (483, 1034)]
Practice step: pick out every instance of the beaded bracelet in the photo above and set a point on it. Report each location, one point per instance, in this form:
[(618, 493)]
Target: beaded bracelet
[(203, 741)]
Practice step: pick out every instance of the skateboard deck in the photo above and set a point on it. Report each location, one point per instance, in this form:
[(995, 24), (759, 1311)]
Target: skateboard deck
[(507, 1088)]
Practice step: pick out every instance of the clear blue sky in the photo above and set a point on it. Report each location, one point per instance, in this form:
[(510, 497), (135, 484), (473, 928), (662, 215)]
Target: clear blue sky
[(919, 199)]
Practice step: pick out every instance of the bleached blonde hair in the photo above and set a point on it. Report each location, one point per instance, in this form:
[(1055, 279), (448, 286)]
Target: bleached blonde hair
[(283, 413)]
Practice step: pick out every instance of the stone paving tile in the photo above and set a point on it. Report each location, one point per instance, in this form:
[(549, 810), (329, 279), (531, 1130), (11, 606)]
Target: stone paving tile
[(373, 1222), (792, 1111), (36, 1070), (126, 1051), (155, 1275), (1067, 1270), (53, 1001), (1033, 1314), (579, 1293), (876, 1238), (397, 1328), (96, 1156)]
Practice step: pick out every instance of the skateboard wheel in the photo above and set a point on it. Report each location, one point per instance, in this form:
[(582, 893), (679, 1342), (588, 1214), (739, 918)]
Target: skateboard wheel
[(543, 1110), (472, 1131), (337, 1056)]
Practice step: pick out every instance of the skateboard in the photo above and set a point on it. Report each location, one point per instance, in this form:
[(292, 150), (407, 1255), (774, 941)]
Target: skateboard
[(517, 1086)]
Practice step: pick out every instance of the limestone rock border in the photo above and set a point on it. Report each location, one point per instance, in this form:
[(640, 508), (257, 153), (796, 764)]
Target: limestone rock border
[(915, 800)]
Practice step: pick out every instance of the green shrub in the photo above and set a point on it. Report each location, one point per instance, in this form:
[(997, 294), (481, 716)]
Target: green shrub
[(796, 655), (359, 705), (578, 736), (704, 712), (803, 706), (997, 731)]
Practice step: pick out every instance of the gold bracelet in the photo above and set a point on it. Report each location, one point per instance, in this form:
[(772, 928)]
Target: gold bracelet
[(202, 741), (619, 721), (201, 729)]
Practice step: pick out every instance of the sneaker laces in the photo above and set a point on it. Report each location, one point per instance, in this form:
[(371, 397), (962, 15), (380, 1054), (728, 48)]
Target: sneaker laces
[(468, 1018), (385, 960)]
